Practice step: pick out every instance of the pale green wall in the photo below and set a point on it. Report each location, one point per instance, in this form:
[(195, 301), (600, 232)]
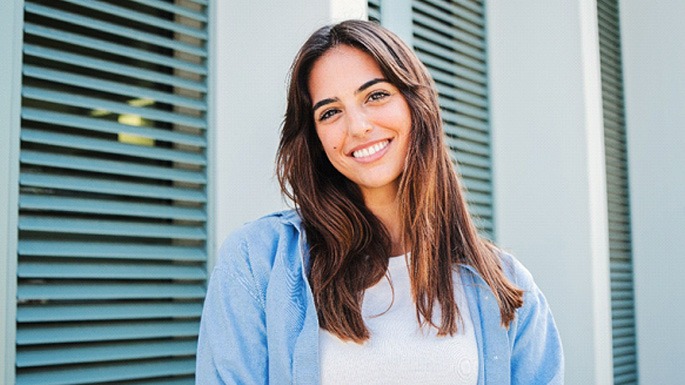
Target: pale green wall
[(654, 81)]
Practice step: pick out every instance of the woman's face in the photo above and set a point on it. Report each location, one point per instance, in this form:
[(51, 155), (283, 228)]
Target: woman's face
[(362, 120)]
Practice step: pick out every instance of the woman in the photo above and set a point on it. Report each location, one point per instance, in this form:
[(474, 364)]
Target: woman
[(379, 275)]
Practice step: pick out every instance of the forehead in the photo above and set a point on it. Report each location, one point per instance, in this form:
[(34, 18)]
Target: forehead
[(341, 70)]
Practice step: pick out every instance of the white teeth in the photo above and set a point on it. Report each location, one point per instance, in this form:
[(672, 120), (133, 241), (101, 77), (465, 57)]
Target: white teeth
[(363, 153)]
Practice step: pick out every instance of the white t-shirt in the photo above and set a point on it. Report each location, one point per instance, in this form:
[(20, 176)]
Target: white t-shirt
[(399, 351)]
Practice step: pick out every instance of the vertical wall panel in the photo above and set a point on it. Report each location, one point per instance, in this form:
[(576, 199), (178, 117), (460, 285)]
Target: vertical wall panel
[(112, 208), (620, 249)]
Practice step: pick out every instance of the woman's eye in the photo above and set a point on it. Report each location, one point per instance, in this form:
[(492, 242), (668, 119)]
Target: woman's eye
[(327, 114), (378, 95)]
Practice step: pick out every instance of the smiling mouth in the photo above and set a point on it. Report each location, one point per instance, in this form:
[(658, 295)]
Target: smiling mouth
[(363, 153)]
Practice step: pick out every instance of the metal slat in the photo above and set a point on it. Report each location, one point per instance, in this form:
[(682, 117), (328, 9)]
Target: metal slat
[(427, 23), (446, 15), (112, 67), (128, 250), (456, 123), (35, 334), (182, 11), (141, 17), (99, 206), (113, 187), (104, 46), (109, 270), (115, 351), (448, 39), (102, 291), (111, 147), (106, 312), (190, 380), (111, 167), (425, 52), (114, 29), (103, 227), (84, 374), (91, 103), (111, 87), (100, 125)]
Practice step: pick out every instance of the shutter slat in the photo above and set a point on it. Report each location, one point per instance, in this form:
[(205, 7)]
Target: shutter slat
[(164, 381), (102, 227), (79, 354), (426, 25), (183, 11), (140, 17), (104, 186), (112, 67), (112, 147), (129, 33), (111, 87), (101, 206), (102, 291), (127, 250), (104, 46), (109, 270), (115, 331), (446, 90), (443, 63), (106, 311), (446, 44), (102, 104), (111, 167), (100, 125), (83, 374)]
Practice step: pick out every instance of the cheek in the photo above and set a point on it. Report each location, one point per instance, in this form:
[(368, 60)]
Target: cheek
[(330, 141)]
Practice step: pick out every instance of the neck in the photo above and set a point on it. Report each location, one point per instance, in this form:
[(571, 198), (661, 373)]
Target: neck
[(385, 206)]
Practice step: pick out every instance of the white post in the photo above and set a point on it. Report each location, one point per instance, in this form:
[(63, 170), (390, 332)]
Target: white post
[(548, 167)]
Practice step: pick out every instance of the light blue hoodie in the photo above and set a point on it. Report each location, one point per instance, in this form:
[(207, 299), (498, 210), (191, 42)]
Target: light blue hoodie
[(259, 324)]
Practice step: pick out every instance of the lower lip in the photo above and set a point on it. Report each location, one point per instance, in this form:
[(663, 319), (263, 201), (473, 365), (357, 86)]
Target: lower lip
[(374, 157)]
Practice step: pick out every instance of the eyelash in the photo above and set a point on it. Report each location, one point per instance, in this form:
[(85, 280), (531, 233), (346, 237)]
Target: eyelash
[(327, 114), (378, 95), (375, 96)]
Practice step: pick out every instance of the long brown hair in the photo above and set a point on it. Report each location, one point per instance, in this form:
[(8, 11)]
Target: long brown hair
[(349, 246)]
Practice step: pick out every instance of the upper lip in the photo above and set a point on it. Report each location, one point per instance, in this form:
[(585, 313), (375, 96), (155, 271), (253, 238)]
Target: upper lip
[(367, 145)]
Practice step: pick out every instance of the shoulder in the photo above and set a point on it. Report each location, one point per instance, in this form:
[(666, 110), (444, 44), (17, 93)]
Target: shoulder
[(248, 253), (515, 271)]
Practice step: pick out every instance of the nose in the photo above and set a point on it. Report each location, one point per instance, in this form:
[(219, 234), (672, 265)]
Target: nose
[(358, 124)]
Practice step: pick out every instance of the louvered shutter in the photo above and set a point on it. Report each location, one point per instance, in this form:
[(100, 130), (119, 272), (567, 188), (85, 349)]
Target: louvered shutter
[(620, 249), (449, 38), (112, 242)]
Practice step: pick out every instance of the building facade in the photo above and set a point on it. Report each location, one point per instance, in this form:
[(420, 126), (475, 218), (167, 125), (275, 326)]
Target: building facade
[(136, 135)]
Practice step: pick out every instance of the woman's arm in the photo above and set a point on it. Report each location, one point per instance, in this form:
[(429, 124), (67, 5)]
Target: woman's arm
[(537, 356)]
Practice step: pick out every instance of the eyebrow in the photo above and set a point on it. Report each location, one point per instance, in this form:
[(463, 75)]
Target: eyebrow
[(360, 89)]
